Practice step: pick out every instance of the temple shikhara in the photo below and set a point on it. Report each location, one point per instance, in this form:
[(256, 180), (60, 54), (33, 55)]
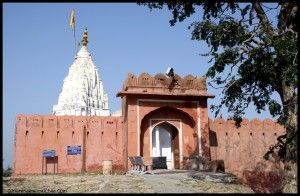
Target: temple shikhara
[(82, 93), (161, 117)]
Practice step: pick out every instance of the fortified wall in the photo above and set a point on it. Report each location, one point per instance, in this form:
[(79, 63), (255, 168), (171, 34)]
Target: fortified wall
[(149, 105), (242, 149), (100, 138), (235, 149)]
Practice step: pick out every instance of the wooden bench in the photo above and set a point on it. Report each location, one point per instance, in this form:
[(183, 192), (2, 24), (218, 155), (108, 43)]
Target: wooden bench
[(140, 163)]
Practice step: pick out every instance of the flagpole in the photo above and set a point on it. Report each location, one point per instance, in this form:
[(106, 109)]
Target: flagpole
[(73, 27), (75, 37)]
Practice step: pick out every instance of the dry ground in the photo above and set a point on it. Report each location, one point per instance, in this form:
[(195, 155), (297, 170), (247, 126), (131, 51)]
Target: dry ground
[(129, 183)]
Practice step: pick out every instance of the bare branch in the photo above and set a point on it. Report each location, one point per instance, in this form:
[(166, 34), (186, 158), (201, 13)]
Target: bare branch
[(294, 61), (245, 49), (222, 13), (226, 85), (270, 8), (262, 17)]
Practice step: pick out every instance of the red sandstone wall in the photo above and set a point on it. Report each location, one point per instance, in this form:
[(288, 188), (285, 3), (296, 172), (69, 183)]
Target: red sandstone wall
[(243, 148), (35, 133)]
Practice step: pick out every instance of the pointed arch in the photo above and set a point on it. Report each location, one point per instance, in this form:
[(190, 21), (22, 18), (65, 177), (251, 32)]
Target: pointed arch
[(168, 111), (177, 119), (164, 141)]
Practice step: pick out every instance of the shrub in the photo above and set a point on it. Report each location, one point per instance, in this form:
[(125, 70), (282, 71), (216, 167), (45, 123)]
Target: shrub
[(7, 172)]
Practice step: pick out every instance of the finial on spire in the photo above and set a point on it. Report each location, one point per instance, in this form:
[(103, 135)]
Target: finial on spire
[(84, 40)]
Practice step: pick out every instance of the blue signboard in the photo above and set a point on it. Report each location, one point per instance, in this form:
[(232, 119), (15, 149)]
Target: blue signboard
[(73, 150), (49, 153)]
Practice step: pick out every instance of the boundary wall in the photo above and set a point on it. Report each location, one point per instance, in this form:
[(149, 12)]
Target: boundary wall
[(100, 138)]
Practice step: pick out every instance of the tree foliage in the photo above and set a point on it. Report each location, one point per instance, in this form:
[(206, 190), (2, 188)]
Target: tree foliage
[(251, 57), (7, 172)]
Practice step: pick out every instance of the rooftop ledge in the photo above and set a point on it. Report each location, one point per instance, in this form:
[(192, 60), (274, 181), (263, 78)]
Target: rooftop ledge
[(122, 93), (160, 84)]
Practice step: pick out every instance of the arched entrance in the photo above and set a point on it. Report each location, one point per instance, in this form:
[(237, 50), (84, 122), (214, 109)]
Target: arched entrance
[(165, 143)]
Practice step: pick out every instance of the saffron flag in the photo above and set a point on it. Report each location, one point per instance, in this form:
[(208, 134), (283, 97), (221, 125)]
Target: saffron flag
[(72, 19)]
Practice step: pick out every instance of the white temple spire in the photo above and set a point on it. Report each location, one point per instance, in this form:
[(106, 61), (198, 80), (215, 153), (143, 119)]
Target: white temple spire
[(82, 92)]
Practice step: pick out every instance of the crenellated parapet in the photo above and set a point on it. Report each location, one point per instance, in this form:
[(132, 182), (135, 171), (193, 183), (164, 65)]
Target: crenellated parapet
[(253, 125), (51, 122), (163, 85)]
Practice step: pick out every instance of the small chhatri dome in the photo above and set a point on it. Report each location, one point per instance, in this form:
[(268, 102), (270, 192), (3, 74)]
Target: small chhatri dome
[(84, 40)]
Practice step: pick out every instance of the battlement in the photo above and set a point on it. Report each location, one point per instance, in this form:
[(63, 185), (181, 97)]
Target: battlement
[(62, 122), (163, 85), (255, 124)]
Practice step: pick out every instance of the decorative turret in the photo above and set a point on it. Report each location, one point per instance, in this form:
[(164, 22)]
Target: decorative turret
[(82, 91)]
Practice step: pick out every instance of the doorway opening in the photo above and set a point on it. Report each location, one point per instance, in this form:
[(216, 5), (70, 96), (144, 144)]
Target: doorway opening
[(165, 143)]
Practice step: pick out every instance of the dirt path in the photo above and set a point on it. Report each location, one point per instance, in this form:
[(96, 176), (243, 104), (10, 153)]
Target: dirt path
[(170, 183), (129, 183)]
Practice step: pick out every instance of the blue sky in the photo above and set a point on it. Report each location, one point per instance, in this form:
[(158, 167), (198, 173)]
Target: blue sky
[(38, 49)]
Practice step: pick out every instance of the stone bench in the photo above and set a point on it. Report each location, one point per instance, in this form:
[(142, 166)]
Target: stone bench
[(148, 162), (133, 163), (140, 163)]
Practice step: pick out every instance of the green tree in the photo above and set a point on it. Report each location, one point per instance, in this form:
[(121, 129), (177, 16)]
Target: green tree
[(252, 58), (7, 172)]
